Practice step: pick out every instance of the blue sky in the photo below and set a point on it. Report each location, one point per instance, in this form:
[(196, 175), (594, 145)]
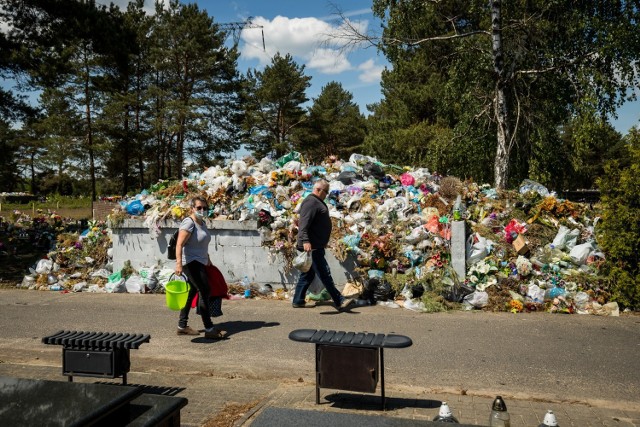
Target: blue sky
[(299, 27)]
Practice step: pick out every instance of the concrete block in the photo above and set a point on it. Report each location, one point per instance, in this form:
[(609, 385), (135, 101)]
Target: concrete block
[(459, 248), (236, 249)]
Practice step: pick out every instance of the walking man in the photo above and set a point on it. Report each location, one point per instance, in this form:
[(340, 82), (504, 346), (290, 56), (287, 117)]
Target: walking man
[(314, 231)]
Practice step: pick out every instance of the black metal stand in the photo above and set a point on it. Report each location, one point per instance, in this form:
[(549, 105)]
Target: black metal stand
[(96, 354), (348, 360)]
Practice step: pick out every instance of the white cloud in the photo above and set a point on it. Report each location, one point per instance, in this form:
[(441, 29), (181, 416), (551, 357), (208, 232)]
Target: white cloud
[(308, 40), (328, 61), (370, 72)]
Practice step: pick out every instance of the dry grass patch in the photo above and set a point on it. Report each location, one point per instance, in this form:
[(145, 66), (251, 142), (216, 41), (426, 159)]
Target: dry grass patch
[(230, 413)]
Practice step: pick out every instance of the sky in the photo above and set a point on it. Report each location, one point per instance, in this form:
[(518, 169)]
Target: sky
[(300, 28)]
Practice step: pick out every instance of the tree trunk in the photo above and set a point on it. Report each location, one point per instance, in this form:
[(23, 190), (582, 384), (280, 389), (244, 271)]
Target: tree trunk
[(501, 108), (87, 97), (32, 168), (126, 160), (140, 144)]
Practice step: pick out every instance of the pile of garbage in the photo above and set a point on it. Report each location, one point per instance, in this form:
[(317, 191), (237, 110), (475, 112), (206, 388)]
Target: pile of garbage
[(527, 250)]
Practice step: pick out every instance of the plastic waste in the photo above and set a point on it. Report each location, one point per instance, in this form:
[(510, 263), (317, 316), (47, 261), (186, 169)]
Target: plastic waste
[(566, 238), (581, 301), (477, 299), (303, 261), (457, 210), (389, 304), (445, 415), (135, 208), (414, 305), (322, 296), (499, 416), (265, 289), (580, 253), (246, 284), (549, 420), (529, 185), (554, 292)]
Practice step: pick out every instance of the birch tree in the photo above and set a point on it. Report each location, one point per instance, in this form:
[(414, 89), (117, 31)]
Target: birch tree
[(522, 65)]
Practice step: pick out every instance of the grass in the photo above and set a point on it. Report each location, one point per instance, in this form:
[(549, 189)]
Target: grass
[(72, 213), (66, 207), (52, 205)]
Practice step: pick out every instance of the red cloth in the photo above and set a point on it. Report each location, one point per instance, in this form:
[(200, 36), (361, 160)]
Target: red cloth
[(217, 285)]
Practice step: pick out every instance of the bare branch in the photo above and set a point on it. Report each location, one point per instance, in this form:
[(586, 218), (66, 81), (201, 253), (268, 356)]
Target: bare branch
[(450, 37), (564, 64)]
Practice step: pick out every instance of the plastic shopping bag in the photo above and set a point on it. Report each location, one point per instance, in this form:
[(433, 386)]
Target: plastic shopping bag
[(303, 261)]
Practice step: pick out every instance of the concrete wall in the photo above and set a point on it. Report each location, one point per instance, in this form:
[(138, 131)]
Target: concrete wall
[(235, 248)]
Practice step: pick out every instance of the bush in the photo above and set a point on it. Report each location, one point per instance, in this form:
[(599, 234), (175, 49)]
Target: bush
[(619, 232)]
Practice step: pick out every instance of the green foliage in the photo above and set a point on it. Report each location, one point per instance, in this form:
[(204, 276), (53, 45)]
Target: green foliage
[(334, 126), (8, 166), (273, 101), (619, 231), (449, 71), (142, 92)]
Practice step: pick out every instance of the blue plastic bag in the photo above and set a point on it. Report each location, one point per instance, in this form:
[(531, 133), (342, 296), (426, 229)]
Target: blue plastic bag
[(135, 208)]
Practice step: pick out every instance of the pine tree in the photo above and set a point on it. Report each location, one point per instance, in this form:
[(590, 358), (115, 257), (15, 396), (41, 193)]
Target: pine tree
[(335, 125), (273, 101)]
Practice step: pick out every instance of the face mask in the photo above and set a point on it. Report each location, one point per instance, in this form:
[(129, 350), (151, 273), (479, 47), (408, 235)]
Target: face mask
[(200, 214)]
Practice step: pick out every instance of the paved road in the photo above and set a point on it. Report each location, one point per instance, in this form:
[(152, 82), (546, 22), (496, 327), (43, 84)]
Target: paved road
[(526, 357)]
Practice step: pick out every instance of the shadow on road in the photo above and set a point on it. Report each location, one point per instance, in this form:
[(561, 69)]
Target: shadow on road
[(371, 402), (236, 327)]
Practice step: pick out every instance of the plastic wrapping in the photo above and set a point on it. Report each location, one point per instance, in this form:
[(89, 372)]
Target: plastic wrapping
[(303, 261)]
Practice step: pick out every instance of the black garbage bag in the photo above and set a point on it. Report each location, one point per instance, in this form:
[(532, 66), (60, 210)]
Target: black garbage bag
[(417, 290), (349, 177), (377, 290), (456, 293), (367, 290), (372, 170)]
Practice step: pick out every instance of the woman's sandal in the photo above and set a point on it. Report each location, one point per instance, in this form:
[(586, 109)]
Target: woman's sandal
[(216, 334)]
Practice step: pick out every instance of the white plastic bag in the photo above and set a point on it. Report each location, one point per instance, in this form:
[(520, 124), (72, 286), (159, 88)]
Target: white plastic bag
[(44, 266), (477, 251), (608, 309), (581, 301), (135, 284), (535, 293), (101, 273), (414, 305), (417, 235), (238, 167), (477, 299), (566, 238), (303, 261), (580, 253), (116, 287)]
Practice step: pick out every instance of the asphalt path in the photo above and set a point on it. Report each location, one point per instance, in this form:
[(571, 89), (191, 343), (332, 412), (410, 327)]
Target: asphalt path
[(571, 358)]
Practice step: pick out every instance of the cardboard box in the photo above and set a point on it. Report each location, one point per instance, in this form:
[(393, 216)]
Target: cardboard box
[(520, 245)]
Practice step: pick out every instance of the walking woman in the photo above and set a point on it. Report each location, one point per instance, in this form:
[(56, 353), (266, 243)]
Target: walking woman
[(192, 256)]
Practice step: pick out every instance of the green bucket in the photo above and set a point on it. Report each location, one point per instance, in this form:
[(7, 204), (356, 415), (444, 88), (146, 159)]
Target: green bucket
[(177, 292)]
